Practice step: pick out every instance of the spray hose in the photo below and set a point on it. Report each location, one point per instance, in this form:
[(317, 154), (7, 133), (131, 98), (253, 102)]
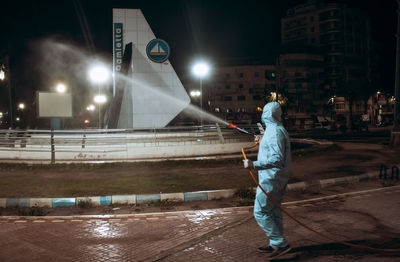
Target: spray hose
[(304, 225)]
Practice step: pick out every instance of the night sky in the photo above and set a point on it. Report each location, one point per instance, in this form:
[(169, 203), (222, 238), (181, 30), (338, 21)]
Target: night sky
[(225, 32)]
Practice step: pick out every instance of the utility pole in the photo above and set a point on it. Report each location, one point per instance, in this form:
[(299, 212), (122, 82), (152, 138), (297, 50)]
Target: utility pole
[(395, 137)]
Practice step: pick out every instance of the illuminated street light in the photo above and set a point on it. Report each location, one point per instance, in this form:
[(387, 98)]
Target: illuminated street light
[(21, 106), (195, 93), (201, 69), (100, 99), (61, 88), (99, 74), (90, 108), (2, 74)]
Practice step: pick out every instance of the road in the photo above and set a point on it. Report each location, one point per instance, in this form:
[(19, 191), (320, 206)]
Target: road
[(368, 217)]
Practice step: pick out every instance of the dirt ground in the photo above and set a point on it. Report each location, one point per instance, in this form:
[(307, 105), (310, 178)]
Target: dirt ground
[(184, 176)]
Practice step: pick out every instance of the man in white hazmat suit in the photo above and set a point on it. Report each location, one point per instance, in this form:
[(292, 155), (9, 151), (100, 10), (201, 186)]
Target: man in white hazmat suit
[(274, 167)]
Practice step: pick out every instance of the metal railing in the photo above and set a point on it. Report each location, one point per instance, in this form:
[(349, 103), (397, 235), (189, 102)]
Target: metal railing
[(106, 144)]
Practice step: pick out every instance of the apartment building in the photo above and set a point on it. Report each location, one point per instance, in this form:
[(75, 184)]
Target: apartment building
[(238, 93)]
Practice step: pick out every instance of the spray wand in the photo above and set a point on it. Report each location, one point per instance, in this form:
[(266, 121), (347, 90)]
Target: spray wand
[(240, 129)]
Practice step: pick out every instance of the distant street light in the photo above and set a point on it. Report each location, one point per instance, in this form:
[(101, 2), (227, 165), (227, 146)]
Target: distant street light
[(2, 74), (100, 99), (21, 106), (195, 93), (201, 70), (61, 88), (90, 108)]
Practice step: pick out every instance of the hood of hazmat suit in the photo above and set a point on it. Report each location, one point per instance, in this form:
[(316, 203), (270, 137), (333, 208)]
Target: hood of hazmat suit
[(274, 168)]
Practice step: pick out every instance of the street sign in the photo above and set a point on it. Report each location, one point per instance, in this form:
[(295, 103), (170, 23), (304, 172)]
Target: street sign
[(157, 50)]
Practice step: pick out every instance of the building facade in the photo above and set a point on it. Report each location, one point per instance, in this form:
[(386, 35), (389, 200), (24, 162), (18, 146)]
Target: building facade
[(238, 93), (339, 34), (323, 72)]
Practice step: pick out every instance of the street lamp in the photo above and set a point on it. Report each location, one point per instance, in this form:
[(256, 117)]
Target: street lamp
[(61, 88), (90, 108), (21, 106), (99, 74), (2, 74), (195, 93), (201, 70)]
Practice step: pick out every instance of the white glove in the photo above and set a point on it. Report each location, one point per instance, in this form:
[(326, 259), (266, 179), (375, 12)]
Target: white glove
[(257, 138), (247, 163)]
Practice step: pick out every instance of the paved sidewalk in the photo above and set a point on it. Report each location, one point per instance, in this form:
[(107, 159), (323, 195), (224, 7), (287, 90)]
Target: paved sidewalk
[(229, 234)]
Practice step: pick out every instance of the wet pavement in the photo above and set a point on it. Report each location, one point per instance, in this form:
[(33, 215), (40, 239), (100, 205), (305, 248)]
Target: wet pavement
[(230, 234)]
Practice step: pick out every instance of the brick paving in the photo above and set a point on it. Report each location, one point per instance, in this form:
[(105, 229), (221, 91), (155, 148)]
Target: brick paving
[(229, 234), (108, 238)]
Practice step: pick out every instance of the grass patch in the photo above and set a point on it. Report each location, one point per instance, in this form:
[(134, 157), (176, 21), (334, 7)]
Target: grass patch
[(123, 178)]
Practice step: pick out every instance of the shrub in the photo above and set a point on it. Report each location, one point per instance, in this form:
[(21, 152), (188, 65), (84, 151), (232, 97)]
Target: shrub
[(245, 193), (31, 211), (85, 203)]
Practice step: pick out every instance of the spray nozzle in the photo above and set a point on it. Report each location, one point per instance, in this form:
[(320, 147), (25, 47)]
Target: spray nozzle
[(232, 126), (239, 129)]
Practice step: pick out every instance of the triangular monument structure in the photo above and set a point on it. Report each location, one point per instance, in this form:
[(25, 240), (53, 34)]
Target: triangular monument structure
[(152, 94)]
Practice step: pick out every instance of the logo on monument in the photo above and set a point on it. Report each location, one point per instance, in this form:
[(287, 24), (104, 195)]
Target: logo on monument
[(157, 50)]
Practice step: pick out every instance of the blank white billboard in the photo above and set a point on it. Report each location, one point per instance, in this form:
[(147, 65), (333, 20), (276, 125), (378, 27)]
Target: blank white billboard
[(54, 104)]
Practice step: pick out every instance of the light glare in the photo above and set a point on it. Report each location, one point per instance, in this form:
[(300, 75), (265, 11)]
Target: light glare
[(90, 108), (61, 88), (100, 99), (99, 74), (201, 69), (195, 93)]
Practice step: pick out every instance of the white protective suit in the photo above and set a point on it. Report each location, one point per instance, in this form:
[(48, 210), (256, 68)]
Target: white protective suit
[(274, 168)]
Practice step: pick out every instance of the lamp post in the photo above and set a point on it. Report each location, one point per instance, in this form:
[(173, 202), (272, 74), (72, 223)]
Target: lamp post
[(99, 74), (395, 135), (201, 70), (100, 99)]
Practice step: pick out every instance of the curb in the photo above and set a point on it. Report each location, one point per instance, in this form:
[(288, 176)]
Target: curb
[(178, 197)]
